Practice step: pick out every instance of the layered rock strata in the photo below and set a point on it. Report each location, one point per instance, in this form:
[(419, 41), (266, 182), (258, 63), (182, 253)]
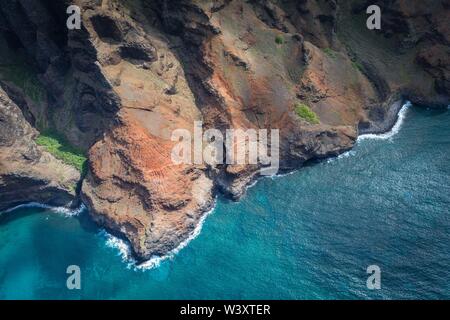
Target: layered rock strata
[(138, 70)]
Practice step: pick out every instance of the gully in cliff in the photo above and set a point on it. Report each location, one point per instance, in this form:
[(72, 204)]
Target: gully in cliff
[(239, 145)]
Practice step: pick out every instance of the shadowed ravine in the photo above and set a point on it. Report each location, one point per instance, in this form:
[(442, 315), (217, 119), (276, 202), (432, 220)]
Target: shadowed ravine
[(88, 113)]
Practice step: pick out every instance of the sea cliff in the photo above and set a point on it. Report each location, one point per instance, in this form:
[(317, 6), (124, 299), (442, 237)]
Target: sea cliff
[(137, 70)]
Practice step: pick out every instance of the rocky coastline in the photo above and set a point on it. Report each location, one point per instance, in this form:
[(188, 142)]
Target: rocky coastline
[(136, 71)]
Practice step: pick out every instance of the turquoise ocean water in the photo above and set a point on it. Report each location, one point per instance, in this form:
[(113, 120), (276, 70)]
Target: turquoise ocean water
[(310, 234)]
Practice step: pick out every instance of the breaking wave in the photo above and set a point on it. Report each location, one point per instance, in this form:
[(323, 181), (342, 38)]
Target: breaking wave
[(61, 210), (395, 129), (346, 154), (124, 248)]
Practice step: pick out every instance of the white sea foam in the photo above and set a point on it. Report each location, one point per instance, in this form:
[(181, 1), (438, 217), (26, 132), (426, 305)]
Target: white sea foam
[(124, 248), (281, 175), (395, 129), (342, 155), (61, 210), (254, 183)]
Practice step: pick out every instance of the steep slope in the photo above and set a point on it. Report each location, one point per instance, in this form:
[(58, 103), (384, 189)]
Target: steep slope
[(27, 172), (138, 70)]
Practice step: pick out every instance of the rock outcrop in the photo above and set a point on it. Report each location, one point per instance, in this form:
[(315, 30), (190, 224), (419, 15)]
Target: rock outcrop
[(138, 70), (27, 172)]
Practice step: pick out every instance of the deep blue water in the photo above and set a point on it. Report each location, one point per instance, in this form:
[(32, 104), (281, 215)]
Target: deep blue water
[(310, 234)]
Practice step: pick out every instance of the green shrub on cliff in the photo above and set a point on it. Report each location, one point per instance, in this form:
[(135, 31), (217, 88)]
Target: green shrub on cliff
[(330, 52), (62, 150), (25, 78), (304, 112), (279, 39), (357, 66)]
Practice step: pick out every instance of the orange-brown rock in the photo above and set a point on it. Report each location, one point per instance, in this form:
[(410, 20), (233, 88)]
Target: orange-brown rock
[(140, 69)]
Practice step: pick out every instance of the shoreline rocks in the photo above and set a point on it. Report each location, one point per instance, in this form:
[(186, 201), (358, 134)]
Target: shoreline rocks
[(27, 172), (139, 70)]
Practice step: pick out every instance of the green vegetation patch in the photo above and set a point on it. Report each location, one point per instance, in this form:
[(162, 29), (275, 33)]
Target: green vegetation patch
[(330, 52), (279, 39), (25, 78), (62, 150), (305, 112), (358, 66)]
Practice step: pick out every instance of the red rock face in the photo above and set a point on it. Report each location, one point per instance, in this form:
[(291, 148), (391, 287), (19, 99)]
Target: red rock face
[(142, 69), (134, 188)]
